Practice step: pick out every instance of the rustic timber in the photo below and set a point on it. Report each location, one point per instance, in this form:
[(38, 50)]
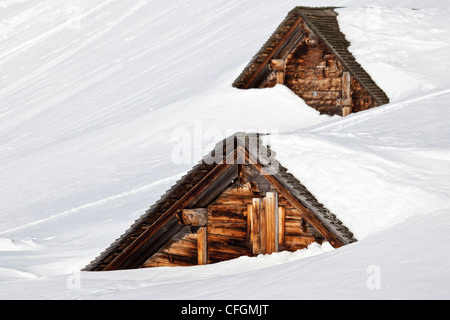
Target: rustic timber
[(270, 214), (256, 225), (309, 54), (220, 211), (202, 245), (278, 66), (180, 250), (281, 225), (346, 100), (195, 217)]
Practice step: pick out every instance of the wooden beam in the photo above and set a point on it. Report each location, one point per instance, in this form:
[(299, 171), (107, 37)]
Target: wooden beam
[(278, 66), (281, 224), (202, 245), (263, 229), (255, 225), (195, 217), (249, 223), (269, 223), (346, 100), (273, 53)]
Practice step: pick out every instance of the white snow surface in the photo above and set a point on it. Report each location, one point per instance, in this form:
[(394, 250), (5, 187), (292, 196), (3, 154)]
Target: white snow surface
[(95, 95)]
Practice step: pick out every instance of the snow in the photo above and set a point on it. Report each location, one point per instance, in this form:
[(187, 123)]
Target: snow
[(381, 31), (393, 168), (96, 96)]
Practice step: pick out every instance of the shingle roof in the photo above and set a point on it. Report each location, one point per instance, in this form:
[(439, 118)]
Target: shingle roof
[(323, 22)]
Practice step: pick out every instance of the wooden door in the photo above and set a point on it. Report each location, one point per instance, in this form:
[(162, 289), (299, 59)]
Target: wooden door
[(265, 227)]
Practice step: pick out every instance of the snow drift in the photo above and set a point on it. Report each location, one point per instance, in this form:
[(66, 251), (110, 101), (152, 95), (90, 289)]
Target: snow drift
[(91, 94)]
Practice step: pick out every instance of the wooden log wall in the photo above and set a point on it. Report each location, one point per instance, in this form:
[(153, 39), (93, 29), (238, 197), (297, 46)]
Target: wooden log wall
[(313, 73), (242, 221), (227, 225), (318, 66), (180, 251), (361, 99), (298, 232)]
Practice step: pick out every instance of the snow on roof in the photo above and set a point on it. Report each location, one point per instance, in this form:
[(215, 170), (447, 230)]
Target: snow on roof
[(323, 21)]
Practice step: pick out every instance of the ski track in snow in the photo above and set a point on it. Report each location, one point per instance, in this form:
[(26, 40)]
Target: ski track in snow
[(34, 76), (362, 117), (91, 205)]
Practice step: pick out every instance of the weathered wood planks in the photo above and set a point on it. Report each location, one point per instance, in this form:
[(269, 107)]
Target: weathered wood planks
[(202, 246), (220, 212), (195, 217), (269, 224), (242, 221)]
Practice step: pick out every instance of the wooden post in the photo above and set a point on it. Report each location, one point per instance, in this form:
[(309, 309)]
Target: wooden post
[(263, 228), (249, 223), (279, 67), (195, 217), (346, 101), (269, 227), (255, 225), (202, 246), (281, 224)]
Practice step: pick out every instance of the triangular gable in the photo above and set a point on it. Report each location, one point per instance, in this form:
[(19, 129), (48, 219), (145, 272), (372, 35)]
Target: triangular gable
[(305, 27), (200, 187)]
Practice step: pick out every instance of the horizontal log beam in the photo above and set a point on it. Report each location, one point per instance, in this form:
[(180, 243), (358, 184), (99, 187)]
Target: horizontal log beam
[(195, 217)]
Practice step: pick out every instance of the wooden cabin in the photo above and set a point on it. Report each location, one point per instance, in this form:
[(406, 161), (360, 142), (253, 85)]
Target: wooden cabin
[(309, 54), (238, 201)]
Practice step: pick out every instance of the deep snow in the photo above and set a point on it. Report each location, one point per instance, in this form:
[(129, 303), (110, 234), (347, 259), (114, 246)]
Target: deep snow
[(94, 97)]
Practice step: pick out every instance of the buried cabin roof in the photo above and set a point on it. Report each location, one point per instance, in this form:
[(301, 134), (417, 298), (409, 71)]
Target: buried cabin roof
[(199, 187), (322, 22)]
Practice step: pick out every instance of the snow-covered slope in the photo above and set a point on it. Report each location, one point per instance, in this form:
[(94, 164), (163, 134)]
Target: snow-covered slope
[(94, 97), (375, 169)]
